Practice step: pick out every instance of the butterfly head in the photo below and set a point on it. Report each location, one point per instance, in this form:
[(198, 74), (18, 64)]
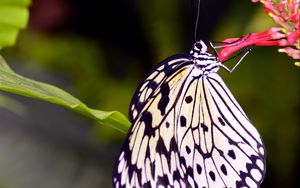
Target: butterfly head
[(204, 57)]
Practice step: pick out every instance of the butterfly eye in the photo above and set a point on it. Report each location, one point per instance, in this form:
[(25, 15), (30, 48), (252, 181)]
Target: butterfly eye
[(199, 46)]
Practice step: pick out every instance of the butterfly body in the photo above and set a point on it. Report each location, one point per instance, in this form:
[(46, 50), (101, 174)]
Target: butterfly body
[(188, 130)]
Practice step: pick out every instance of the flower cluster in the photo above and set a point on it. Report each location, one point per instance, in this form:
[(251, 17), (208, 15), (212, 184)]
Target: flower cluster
[(286, 14)]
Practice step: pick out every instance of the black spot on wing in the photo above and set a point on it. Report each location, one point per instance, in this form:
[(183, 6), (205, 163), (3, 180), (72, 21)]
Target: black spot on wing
[(231, 154), (182, 161), (161, 148), (231, 142), (188, 99), (190, 171), (188, 150), (240, 184), (162, 180), (204, 127), (152, 168), (199, 169), (167, 124), (173, 145), (250, 166), (182, 121), (223, 169), (163, 102), (147, 119), (212, 175), (176, 175), (221, 121), (147, 185)]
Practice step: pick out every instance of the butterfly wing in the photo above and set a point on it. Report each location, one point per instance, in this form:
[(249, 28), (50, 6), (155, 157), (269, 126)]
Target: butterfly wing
[(149, 157), (220, 146), (153, 81), (188, 130)]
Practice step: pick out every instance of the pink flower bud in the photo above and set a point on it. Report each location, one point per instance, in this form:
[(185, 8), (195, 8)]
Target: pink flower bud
[(295, 17), (281, 7), (292, 37), (270, 7), (295, 54)]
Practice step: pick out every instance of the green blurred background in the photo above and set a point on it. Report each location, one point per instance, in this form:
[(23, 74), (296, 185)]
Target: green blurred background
[(99, 51)]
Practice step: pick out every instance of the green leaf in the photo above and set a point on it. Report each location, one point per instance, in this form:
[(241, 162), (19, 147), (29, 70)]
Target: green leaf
[(13, 17), (15, 83)]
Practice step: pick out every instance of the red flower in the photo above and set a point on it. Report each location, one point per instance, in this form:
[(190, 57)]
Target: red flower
[(286, 15)]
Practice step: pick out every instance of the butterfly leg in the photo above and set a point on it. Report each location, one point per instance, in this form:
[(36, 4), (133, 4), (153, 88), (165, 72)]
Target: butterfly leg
[(245, 52)]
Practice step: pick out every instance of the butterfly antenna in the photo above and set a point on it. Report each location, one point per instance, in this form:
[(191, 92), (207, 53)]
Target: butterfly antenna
[(197, 20)]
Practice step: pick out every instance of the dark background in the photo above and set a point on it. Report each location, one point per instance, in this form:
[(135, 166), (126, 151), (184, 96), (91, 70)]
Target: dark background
[(99, 51)]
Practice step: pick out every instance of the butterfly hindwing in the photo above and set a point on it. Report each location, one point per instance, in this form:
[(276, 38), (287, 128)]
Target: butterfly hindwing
[(246, 152), (221, 147)]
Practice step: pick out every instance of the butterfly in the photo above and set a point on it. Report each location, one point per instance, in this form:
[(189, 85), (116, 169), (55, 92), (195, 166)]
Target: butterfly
[(188, 130)]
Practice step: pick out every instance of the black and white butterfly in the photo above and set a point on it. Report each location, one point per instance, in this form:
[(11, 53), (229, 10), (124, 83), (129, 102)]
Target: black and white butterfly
[(188, 130)]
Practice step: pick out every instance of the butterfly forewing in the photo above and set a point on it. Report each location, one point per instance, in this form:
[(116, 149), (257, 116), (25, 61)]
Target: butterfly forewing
[(153, 81), (188, 130)]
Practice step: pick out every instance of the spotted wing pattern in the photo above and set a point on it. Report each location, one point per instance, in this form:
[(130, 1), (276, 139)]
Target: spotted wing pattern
[(188, 130), (219, 145), (153, 81)]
